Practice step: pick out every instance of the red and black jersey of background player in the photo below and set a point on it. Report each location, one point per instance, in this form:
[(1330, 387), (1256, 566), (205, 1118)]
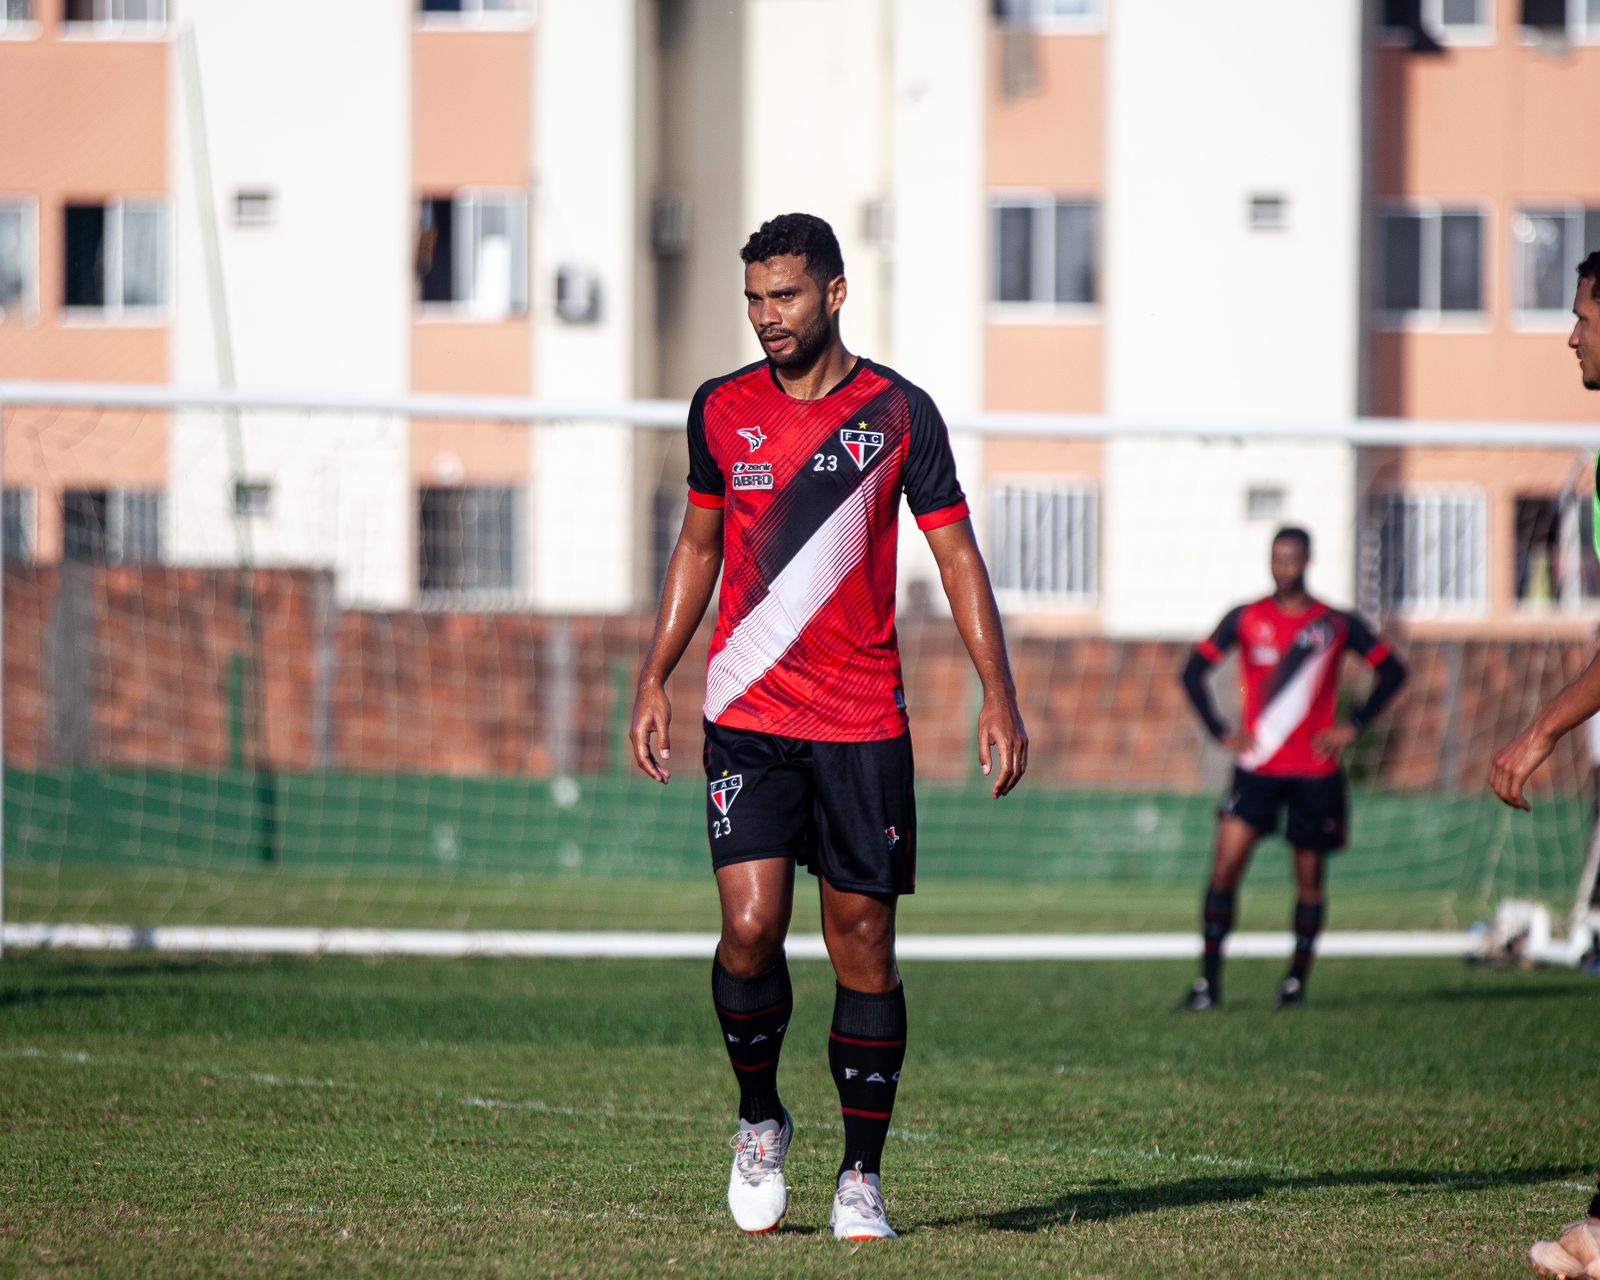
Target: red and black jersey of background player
[(1289, 663), (805, 642)]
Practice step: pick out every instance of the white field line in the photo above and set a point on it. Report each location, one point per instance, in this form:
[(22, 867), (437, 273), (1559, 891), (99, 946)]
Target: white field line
[(447, 943)]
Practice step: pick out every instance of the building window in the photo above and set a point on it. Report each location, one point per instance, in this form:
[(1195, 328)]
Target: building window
[(1052, 15), (1576, 20), (18, 514), (474, 12), (1432, 262), (472, 253), (111, 526), (1044, 544), (252, 498), (1455, 21), (16, 17), (1553, 568), (116, 256), (1045, 251), (109, 16), (467, 540), (1433, 551), (1549, 244), (19, 261)]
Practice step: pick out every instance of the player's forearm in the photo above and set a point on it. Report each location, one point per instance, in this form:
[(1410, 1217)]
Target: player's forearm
[(1194, 684), (691, 578), (1572, 706), (1392, 675), (977, 617)]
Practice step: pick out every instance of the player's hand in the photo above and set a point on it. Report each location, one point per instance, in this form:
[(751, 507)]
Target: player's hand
[(1514, 764), (1241, 741), (1331, 742), (1002, 742), (652, 716)]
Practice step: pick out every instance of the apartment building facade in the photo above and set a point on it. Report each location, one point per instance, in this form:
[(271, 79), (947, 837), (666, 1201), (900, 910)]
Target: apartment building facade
[(1285, 212)]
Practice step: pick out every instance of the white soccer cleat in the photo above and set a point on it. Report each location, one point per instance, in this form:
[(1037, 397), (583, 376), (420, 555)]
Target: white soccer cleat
[(758, 1194), (858, 1212)]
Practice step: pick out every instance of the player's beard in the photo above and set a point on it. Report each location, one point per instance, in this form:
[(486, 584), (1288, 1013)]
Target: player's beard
[(809, 343)]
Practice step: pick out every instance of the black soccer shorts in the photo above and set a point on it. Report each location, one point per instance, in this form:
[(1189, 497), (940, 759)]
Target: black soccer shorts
[(1319, 808), (846, 811)]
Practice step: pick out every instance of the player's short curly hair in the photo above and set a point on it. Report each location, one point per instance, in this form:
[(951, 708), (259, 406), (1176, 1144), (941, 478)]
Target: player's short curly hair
[(801, 233), (1589, 269), (1294, 533)]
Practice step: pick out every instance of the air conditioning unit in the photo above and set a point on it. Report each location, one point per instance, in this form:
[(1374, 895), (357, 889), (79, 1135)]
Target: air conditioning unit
[(577, 295), (669, 225)]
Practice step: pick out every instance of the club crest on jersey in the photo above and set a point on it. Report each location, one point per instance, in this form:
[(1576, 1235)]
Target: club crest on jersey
[(752, 475), (724, 791), (860, 444), (753, 436)]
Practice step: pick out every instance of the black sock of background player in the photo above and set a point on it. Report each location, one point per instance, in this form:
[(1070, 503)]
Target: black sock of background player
[(1307, 925), (1215, 923), (865, 1051), (754, 1013)]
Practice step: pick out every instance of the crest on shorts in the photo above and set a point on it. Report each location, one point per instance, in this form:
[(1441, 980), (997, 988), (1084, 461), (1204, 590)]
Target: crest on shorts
[(862, 445), (891, 837), (724, 791)]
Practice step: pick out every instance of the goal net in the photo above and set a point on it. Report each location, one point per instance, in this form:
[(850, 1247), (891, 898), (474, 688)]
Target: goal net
[(370, 664)]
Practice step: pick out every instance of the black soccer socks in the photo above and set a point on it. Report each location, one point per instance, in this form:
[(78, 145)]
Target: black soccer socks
[(1216, 922), (865, 1051), (1307, 925), (754, 1013)]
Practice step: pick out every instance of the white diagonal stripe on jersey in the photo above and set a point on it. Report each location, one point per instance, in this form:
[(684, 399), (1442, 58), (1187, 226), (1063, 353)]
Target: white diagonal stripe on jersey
[(803, 586), (1286, 712)]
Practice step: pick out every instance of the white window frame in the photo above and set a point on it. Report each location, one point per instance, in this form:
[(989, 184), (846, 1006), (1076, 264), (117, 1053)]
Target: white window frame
[(1430, 603), (1428, 316), (27, 501), (512, 596), (29, 208), (113, 309), (1578, 30), (1055, 24), (1479, 34), (1043, 306), (474, 17), (466, 202), (1558, 317), (108, 24), (1008, 555), (20, 28)]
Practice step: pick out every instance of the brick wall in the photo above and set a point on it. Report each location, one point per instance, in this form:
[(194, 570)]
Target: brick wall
[(159, 667)]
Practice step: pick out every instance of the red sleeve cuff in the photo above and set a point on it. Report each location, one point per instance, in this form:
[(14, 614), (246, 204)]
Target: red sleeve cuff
[(1208, 651), (943, 516), (1376, 656), (713, 501)]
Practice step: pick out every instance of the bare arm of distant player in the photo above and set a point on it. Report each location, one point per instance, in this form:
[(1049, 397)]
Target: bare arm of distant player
[(691, 577), (1515, 762), (1002, 738)]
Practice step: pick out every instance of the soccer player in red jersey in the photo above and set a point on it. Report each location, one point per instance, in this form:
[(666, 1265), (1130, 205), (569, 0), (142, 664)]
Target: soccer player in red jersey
[(1286, 751), (1577, 1252), (797, 466)]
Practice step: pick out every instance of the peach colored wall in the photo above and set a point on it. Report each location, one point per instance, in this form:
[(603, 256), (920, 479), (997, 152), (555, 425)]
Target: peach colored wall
[(1491, 126), (472, 357), (1504, 476), (470, 453), (472, 109), (1052, 140), (81, 119), (1054, 137), (1051, 367)]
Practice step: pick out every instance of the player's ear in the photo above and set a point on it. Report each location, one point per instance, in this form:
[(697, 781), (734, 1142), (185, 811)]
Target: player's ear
[(837, 289)]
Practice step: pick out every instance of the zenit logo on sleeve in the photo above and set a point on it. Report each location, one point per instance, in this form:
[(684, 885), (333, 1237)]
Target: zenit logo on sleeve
[(752, 475)]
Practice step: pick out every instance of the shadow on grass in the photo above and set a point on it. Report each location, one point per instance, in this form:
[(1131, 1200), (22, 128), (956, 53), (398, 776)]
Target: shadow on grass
[(68, 981), (1108, 1200)]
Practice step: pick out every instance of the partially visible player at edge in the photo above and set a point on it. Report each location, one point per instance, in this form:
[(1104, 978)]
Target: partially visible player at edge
[(1286, 751), (797, 464), (1577, 1252)]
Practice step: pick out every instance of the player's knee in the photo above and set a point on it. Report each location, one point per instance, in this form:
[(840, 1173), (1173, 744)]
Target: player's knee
[(750, 944)]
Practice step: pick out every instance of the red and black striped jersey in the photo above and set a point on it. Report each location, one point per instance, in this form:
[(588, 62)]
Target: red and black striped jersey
[(805, 640), (1289, 666)]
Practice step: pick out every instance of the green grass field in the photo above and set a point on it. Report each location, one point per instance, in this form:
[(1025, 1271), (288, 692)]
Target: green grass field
[(172, 1117)]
